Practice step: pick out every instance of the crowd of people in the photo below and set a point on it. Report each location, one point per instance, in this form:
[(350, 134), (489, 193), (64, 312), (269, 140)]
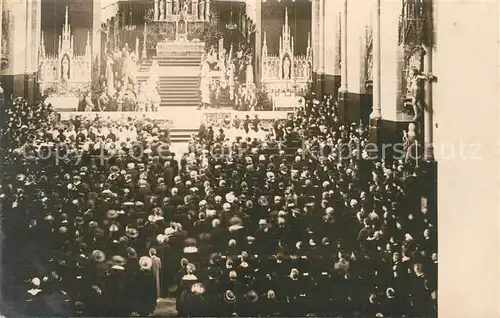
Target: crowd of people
[(234, 86), (118, 88), (299, 222)]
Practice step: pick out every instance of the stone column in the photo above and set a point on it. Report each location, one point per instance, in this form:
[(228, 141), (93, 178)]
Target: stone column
[(376, 115), (338, 54), (342, 97), (1, 84), (428, 120), (1, 29), (315, 43), (31, 48), (14, 74), (157, 10), (19, 76), (29, 23), (376, 112)]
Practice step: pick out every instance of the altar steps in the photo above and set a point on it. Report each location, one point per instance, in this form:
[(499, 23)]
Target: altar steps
[(179, 91), (181, 135), (172, 60), (176, 91), (179, 78)]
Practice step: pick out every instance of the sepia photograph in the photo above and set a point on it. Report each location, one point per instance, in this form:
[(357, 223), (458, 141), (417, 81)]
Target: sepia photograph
[(249, 158)]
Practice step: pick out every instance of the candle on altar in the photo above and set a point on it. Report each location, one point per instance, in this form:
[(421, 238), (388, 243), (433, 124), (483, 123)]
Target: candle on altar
[(137, 47)]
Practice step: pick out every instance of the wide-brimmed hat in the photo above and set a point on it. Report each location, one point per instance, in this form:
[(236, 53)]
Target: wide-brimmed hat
[(169, 231), (229, 296), (98, 256), (230, 197), (132, 233), (131, 252), (118, 260), (145, 262), (252, 296), (79, 220), (112, 214), (263, 201)]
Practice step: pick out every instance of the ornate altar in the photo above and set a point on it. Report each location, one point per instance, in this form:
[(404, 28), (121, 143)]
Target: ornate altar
[(181, 45), (65, 73), (286, 73)]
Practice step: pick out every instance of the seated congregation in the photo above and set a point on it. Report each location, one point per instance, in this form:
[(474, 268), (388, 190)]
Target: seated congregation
[(300, 223)]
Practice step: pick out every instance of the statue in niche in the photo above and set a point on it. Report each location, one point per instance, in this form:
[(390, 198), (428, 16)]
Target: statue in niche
[(65, 68), (286, 67), (307, 70), (201, 9), (185, 7), (179, 6), (410, 142), (175, 4), (162, 10), (181, 28)]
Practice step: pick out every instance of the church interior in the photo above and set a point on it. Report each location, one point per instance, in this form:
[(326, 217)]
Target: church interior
[(415, 79)]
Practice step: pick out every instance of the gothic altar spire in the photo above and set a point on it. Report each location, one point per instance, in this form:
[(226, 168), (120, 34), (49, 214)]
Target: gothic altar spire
[(66, 41), (286, 18), (42, 46)]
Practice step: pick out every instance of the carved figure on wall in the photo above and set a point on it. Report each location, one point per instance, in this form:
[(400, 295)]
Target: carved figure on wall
[(163, 15), (65, 68), (201, 9), (181, 31), (286, 67), (175, 6), (4, 41), (179, 7), (185, 7), (410, 142), (417, 91), (369, 57), (307, 70)]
